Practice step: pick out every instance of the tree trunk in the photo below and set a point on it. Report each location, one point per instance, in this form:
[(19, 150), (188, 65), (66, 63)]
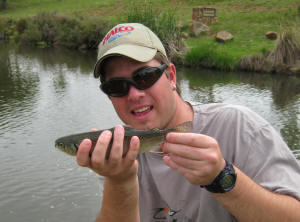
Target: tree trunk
[(3, 5)]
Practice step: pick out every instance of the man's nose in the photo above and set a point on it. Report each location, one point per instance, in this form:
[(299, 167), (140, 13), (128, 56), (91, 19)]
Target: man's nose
[(135, 93)]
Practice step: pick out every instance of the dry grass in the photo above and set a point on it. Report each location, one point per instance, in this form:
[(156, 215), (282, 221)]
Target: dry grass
[(286, 51), (286, 54)]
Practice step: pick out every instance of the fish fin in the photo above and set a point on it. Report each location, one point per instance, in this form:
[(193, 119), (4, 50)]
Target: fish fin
[(184, 127), (155, 149)]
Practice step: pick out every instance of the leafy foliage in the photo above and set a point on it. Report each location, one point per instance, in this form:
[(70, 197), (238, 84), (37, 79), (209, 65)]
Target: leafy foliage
[(47, 29)]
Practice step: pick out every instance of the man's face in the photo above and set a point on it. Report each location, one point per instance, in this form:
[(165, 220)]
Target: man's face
[(143, 109)]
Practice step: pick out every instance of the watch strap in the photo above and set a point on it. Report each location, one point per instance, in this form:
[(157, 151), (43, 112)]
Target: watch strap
[(217, 186)]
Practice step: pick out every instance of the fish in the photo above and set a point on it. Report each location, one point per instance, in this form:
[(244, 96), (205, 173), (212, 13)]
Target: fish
[(149, 139)]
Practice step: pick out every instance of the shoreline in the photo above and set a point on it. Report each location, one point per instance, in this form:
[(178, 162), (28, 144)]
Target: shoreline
[(84, 33), (283, 69)]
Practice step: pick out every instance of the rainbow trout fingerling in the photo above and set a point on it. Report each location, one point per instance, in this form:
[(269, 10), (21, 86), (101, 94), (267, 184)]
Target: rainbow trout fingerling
[(149, 139)]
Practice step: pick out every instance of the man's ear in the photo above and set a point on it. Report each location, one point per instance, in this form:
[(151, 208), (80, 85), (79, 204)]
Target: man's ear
[(172, 73)]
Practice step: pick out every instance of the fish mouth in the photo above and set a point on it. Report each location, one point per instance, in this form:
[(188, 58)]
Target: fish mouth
[(72, 149), (142, 110), (58, 145)]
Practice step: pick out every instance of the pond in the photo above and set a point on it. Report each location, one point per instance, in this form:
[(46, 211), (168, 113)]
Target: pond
[(48, 93)]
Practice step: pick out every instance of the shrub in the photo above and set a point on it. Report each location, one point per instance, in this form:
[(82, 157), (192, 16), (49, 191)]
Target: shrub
[(31, 35), (21, 25), (69, 31), (6, 28)]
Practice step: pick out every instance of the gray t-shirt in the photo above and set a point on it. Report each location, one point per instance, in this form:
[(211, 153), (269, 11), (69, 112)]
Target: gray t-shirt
[(245, 139)]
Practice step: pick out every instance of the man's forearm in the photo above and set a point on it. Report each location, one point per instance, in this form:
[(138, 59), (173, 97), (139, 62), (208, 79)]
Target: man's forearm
[(120, 202), (250, 202)]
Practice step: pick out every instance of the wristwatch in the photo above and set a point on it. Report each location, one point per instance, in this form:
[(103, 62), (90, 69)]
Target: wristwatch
[(224, 182)]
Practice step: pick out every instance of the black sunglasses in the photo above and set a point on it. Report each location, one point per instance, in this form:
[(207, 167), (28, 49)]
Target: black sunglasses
[(141, 79)]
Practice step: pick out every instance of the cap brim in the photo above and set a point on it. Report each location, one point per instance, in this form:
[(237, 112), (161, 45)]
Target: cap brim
[(136, 52)]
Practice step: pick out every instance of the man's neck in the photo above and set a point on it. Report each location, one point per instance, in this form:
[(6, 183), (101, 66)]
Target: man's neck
[(184, 112)]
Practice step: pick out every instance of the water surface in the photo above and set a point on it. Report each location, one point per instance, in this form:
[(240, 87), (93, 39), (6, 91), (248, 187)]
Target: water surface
[(48, 93)]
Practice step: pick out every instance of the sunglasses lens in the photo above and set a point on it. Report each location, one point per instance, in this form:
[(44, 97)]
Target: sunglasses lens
[(115, 88), (146, 77), (142, 79)]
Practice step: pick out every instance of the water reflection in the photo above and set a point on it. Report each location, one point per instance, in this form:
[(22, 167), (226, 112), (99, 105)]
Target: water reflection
[(16, 87), (275, 97), (60, 57), (46, 94)]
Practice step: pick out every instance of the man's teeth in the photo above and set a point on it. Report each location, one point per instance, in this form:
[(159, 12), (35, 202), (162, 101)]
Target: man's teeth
[(141, 109)]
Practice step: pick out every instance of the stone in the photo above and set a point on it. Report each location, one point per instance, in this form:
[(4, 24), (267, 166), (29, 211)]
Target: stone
[(199, 27), (223, 36), (83, 47), (271, 35)]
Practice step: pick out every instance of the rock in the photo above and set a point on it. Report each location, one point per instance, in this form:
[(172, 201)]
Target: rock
[(223, 36), (83, 47), (198, 27), (271, 35)]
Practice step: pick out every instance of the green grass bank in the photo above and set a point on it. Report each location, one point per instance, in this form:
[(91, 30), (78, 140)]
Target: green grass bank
[(82, 23)]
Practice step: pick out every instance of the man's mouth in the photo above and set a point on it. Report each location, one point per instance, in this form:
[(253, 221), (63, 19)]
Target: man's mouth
[(142, 110)]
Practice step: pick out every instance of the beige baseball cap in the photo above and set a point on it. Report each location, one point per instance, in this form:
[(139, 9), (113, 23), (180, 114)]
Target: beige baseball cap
[(133, 40)]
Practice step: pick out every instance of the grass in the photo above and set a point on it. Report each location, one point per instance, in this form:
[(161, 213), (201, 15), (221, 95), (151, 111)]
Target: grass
[(247, 20), (24, 8)]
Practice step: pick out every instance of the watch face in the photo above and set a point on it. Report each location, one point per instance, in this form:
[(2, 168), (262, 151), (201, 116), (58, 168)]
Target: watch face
[(227, 181)]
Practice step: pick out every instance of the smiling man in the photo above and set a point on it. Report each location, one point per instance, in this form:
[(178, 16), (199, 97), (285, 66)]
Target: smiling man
[(233, 167)]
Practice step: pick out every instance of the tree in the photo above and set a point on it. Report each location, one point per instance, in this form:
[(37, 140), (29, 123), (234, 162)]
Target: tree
[(3, 5)]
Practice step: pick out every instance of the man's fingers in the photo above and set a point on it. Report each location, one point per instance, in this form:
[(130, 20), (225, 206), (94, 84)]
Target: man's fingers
[(117, 145), (99, 152), (132, 152), (188, 152), (169, 162), (83, 158), (93, 129), (187, 163), (193, 176), (191, 139)]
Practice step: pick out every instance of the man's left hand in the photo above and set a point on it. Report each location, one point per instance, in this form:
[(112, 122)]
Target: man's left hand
[(196, 156)]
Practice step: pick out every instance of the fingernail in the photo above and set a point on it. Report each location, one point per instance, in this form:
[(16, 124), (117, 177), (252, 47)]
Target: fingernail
[(106, 133), (118, 129), (85, 142)]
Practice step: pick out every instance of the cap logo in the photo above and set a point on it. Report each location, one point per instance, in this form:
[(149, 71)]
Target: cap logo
[(117, 33)]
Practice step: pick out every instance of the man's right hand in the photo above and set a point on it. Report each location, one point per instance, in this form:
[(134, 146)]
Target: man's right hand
[(117, 168)]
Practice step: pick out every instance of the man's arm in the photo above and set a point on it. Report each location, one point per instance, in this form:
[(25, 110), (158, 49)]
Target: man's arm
[(121, 193), (120, 201), (198, 158), (248, 201)]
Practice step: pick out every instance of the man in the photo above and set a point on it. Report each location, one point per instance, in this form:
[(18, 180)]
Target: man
[(232, 167)]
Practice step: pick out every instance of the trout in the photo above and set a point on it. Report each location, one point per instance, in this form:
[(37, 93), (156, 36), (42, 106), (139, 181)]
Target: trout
[(149, 139)]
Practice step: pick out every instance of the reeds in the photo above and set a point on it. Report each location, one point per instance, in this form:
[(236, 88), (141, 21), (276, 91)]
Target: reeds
[(286, 53), (162, 23)]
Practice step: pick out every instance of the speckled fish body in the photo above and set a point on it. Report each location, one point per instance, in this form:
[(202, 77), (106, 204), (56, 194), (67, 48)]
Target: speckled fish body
[(149, 139)]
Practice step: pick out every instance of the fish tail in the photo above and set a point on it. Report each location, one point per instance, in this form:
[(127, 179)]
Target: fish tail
[(184, 127)]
